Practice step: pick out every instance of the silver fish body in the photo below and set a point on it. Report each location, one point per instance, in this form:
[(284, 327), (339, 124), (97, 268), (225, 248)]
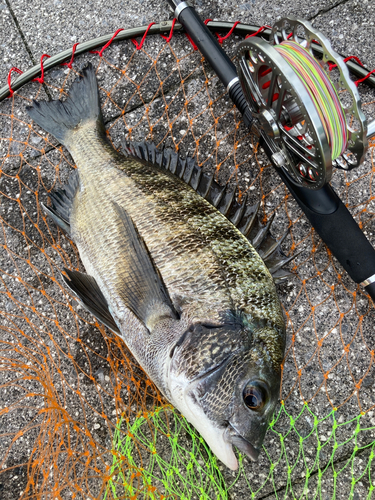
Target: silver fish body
[(190, 296)]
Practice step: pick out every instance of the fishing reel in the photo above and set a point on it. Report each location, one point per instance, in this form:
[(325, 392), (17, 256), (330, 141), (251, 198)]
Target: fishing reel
[(303, 102)]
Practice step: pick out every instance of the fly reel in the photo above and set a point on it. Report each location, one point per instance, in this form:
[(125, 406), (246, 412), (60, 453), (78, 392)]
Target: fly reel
[(303, 102)]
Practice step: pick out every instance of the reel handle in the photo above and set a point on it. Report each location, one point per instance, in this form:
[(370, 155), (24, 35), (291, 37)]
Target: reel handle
[(210, 48), (324, 209)]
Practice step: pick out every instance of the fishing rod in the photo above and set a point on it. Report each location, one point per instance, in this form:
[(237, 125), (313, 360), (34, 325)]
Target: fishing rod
[(289, 102)]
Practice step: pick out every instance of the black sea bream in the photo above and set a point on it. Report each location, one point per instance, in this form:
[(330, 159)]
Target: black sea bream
[(170, 274)]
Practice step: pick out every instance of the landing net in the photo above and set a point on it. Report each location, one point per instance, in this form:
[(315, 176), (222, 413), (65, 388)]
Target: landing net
[(78, 417)]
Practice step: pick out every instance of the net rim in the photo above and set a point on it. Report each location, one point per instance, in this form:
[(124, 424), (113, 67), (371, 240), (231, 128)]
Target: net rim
[(163, 27)]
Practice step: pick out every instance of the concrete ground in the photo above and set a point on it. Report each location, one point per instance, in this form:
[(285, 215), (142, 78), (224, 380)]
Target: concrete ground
[(30, 28)]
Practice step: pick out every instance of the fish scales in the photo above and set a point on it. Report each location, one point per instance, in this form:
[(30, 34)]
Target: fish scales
[(190, 255), (205, 323)]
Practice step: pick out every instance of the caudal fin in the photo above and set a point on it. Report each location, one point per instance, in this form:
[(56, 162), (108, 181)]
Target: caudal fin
[(60, 118)]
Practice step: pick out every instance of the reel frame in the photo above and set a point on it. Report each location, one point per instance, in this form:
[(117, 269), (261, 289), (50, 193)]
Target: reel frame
[(290, 124)]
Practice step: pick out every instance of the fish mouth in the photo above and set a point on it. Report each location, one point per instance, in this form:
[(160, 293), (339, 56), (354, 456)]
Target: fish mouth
[(233, 437)]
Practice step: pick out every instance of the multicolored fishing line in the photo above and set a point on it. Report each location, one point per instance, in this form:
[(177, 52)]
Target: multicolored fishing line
[(321, 91)]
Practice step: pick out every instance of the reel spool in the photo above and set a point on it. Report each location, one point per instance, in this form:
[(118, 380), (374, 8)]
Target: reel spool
[(310, 117)]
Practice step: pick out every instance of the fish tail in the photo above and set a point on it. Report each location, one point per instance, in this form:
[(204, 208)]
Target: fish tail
[(61, 118)]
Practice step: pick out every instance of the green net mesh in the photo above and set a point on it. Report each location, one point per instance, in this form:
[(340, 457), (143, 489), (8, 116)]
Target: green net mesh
[(78, 417), (189, 470)]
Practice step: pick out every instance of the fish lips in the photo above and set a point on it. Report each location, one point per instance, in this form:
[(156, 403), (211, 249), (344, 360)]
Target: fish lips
[(245, 447), (242, 444)]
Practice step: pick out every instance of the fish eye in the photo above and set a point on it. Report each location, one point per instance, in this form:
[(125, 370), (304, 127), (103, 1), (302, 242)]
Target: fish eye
[(254, 396)]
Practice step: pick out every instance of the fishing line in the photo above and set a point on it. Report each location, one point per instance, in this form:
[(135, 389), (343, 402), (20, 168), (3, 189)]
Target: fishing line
[(321, 91)]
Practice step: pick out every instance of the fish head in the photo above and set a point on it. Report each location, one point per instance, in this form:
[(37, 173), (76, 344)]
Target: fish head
[(249, 413), (226, 383)]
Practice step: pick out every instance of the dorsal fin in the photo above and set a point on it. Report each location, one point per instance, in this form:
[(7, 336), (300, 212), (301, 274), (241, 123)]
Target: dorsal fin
[(243, 216), (222, 198)]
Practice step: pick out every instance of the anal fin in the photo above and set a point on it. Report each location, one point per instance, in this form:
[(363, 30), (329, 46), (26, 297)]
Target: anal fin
[(87, 291), (62, 201), (57, 219)]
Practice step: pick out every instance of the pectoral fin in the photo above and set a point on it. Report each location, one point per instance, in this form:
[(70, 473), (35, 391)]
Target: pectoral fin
[(87, 290), (143, 290)]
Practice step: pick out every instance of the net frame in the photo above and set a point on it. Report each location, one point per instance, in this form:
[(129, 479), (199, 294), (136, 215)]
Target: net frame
[(56, 416), (165, 27)]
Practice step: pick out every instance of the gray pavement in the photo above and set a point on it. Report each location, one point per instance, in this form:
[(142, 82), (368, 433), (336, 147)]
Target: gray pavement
[(13, 50), (29, 28)]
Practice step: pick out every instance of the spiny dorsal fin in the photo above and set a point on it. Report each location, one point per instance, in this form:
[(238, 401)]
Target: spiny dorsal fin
[(236, 211), (222, 198), (227, 200), (205, 184), (243, 216)]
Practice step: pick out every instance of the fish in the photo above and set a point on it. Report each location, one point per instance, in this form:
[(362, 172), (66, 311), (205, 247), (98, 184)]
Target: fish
[(170, 269)]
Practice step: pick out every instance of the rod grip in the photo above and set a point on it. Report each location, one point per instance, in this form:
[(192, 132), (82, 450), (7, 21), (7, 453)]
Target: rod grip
[(339, 231), (238, 98), (345, 239), (208, 45), (336, 226)]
